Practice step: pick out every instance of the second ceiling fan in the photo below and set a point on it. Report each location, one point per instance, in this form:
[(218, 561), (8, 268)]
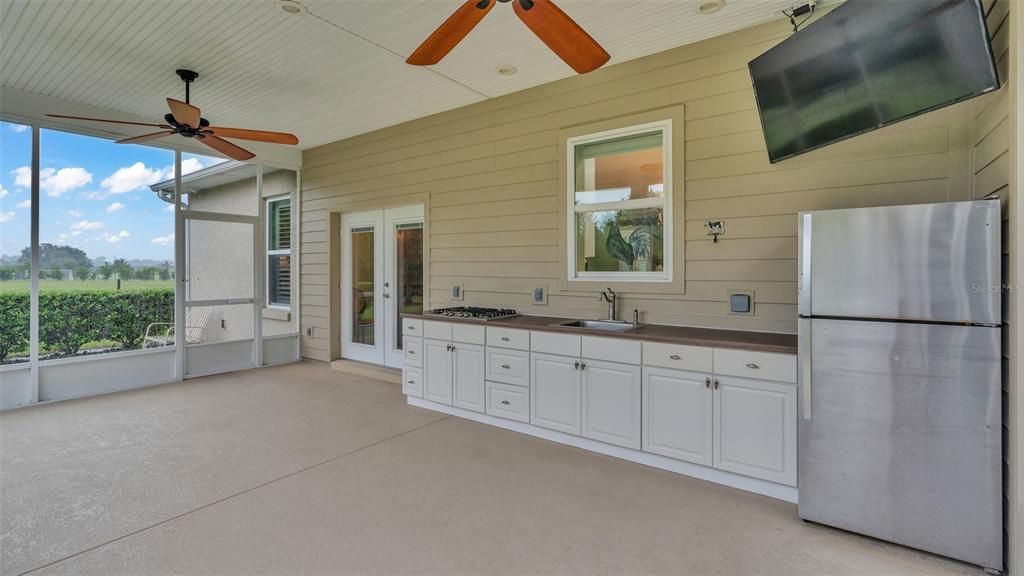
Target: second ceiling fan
[(555, 28)]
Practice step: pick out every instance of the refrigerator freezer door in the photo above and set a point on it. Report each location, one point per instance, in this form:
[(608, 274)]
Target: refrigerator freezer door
[(930, 262), (903, 441)]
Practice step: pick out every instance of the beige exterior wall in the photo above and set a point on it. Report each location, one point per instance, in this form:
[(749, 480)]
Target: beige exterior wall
[(990, 169), (488, 174)]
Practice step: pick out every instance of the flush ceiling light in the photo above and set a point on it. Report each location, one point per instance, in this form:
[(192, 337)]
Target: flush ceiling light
[(507, 70), (710, 6), (291, 7)]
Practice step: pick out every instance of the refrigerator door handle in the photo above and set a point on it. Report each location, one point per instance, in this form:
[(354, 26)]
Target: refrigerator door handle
[(804, 359), (804, 286)]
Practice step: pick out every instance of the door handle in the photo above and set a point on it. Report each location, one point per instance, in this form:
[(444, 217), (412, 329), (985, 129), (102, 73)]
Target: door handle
[(803, 351), (386, 295)]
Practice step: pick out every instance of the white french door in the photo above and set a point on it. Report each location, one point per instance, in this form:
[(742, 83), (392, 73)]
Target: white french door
[(381, 277)]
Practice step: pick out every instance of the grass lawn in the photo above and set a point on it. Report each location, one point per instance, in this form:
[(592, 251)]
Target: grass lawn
[(12, 286)]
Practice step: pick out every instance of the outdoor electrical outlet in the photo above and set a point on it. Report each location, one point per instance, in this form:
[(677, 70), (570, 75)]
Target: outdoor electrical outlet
[(540, 296), (457, 293)]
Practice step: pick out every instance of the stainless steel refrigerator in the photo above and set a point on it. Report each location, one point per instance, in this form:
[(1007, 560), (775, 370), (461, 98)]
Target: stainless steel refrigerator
[(900, 424)]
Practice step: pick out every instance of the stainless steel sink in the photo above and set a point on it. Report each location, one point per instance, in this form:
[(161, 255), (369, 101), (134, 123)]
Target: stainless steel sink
[(602, 325)]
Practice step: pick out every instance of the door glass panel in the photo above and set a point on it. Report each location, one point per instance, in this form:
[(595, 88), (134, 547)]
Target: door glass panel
[(363, 269), (408, 274)]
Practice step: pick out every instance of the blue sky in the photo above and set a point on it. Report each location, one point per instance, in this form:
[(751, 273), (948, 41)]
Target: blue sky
[(94, 194)]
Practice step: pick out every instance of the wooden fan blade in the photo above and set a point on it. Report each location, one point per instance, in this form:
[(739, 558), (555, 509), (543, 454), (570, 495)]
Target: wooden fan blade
[(450, 33), (226, 148), (257, 135), (562, 35), (110, 121), (184, 113), (144, 137)]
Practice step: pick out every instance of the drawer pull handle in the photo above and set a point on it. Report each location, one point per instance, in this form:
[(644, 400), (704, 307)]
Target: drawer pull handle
[(675, 357), (411, 328), (411, 351), (504, 338), (506, 366), (752, 366), (412, 381), (506, 402)]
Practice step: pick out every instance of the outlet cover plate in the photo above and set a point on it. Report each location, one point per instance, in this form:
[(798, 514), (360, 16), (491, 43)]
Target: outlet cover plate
[(457, 292)]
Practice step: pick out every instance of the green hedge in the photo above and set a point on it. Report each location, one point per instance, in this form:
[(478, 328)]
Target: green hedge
[(69, 319)]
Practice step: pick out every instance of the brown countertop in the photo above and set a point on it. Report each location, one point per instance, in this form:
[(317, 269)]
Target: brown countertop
[(712, 337)]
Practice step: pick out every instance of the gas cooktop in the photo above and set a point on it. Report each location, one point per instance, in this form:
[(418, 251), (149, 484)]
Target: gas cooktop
[(475, 312)]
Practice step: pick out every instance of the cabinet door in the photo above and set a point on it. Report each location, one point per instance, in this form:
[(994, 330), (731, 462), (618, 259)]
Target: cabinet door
[(468, 373), (555, 392), (437, 371), (677, 408), (611, 403), (755, 428)]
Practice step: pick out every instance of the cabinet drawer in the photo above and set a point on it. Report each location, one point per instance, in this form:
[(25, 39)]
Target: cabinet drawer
[(412, 382), (468, 333), (760, 365), (412, 327), (508, 366), (554, 343), (612, 349), (508, 338), (437, 330), (695, 358), (413, 351), (512, 402)]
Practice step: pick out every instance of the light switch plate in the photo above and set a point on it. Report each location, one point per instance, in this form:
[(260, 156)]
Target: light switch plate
[(540, 296), (457, 292), (734, 302)]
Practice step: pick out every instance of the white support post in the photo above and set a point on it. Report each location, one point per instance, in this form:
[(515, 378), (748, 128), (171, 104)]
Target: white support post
[(180, 280), (34, 271), (259, 253)]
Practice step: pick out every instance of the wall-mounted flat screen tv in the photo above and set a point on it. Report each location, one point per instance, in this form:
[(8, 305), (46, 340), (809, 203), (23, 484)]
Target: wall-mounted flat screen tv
[(867, 64)]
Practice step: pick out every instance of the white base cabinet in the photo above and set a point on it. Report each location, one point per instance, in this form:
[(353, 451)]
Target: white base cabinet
[(755, 428), (468, 377), (611, 403), (677, 414), (555, 392)]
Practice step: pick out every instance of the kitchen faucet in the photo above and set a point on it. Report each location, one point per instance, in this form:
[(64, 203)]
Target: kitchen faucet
[(609, 297)]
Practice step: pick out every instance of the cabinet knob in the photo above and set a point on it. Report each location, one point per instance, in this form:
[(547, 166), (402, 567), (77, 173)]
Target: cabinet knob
[(504, 338), (506, 366), (410, 351), (716, 383), (412, 381), (576, 365), (675, 357), (752, 366), (583, 365), (505, 402), (707, 382)]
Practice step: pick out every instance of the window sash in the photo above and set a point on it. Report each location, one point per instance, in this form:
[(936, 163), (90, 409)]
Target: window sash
[(593, 142), (279, 233)]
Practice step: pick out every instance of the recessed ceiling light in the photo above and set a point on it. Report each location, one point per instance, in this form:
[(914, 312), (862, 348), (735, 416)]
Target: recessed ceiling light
[(507, 70), (291, 7), (710, 6)]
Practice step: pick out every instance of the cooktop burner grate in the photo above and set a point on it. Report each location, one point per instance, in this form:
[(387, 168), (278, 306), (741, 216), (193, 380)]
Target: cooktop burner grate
[(475, 312)]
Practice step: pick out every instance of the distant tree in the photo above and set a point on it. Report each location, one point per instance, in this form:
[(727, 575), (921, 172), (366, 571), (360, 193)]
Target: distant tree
[(122, 268), (53, 274), (83, 272), (7, 272), (105, 271), (166, 270), (52, 256)]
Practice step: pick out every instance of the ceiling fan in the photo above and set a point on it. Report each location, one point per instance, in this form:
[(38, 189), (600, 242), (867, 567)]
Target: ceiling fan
[(555, 28), (186, 120)]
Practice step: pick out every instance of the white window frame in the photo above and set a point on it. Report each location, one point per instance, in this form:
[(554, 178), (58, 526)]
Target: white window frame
[(665, 202), (280, 252)]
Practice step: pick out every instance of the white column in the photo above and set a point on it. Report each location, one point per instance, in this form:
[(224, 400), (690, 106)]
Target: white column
[(179, 273), (34, 271)]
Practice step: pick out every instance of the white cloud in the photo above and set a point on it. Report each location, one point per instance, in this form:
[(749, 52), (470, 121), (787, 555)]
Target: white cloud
[(19, 128), (115, 207), (87, 225), (22, 177), (3, 192), (6, 216), (75, 213), (134, 177), (26, 203), (164, 240), (115, 238), (52, 181), (188, 166)]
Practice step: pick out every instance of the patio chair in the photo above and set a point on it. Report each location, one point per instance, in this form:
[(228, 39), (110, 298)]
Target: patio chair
[(162, 333)]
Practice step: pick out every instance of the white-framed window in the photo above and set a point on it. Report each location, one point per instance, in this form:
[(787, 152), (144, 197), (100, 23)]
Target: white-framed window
[(279, 252), (619, 216)]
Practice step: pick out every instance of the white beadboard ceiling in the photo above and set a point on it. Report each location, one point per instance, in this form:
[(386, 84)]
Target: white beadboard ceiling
[(331, 73)]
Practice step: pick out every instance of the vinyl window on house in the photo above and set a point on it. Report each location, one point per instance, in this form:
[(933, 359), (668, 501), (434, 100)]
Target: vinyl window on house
[(279, 252), (619, 218)]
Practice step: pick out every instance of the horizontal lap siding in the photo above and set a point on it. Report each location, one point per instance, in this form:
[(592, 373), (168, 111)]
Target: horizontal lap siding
[(990, 163), (489, 172)]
